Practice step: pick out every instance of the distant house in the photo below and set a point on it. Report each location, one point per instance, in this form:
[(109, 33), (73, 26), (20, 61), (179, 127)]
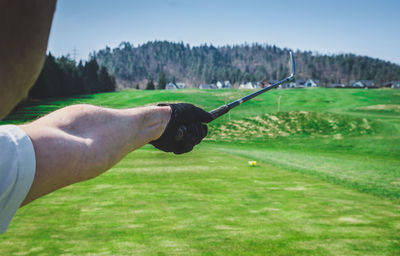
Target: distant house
[(227, 84), (311, 83), (223, 85), (248, 85), (387, 84), (208, 86), (392, 84), (357, 84), (299, 83), (266, 83), (181, 85), (282, 86), (176, 86), (396, 85), (337, 86), (362, 84), (171, 86), (287, 85)]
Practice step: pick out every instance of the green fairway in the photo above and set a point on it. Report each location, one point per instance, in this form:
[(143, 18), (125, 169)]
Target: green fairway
[(327, 182), (204, 202)]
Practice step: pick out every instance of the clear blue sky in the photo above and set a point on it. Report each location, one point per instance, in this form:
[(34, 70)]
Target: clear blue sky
[(369, 27)]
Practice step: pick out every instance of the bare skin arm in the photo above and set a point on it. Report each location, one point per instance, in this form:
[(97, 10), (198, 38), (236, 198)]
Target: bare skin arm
[(80, 142), (24, 28)]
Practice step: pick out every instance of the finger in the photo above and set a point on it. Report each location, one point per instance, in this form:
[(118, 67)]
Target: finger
[(197, 132), (187, 143), (184, 148), (181, 151), (190, 139), (204, 130), (202, 115)]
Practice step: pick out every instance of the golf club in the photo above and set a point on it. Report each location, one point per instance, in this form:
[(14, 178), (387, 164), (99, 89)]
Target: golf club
[(227, 107)]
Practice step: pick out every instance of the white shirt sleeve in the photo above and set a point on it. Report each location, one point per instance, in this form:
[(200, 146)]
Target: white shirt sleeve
[(17, 170)]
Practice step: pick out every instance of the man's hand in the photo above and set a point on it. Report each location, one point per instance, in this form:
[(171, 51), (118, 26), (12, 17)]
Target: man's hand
[(193, 118), (80, 142)]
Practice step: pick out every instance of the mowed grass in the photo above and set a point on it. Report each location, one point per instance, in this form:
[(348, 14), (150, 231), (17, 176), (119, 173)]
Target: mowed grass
[(327, 182), (378, 175), (204, 203), (345, 136)]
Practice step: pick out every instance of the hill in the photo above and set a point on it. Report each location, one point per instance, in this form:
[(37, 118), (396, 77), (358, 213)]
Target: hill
[(194, 65)]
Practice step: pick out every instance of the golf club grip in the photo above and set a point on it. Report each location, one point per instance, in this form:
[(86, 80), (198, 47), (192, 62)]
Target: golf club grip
[(220, 111)]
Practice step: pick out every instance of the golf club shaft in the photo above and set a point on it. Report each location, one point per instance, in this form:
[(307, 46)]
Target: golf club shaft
[(222, 110), (226, 108)]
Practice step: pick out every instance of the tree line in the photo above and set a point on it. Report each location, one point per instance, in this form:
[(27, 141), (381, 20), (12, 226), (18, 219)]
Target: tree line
[(63, 77), (207, 64)]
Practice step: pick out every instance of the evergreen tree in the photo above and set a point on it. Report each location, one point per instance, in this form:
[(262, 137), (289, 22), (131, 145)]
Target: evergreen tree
[(67, 76), (150, 85), (162, 80), (49, 81), (61, 77), (90, 77), (106, 82), (78, 83)]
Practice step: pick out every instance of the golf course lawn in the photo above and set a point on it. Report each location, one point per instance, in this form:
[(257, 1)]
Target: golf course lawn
[(327, 182)]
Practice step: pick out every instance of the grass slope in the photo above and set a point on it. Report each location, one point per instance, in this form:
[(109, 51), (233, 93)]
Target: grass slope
[(327, 182)]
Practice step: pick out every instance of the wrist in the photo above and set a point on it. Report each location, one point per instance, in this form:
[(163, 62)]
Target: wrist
[(164, 116)]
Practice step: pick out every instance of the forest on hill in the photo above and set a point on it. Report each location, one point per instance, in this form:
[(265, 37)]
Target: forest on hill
[(63, 77), (133, 66)]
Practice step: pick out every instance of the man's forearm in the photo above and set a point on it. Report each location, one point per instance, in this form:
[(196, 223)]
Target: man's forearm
[(82, 141)]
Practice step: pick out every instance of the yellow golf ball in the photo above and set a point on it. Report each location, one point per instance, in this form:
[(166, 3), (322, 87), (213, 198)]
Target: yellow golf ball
[(252, 163)]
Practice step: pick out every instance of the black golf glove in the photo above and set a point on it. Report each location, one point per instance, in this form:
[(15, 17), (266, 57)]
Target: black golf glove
[(189, 121)]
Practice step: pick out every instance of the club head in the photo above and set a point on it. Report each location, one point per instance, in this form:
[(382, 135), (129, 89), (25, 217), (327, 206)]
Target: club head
[(292, 65)]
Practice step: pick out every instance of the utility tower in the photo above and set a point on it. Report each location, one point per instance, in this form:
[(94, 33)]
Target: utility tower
[(74, 53)]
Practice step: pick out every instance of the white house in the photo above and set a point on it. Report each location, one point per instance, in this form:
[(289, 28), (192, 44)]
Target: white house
[(223, 85), (396, 85), (227, 84), (357, 84), (248, 85), (362, 84), (176, 86), (287, 85), (181, 85), (311, 83), (171, 86), (299, 83)]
